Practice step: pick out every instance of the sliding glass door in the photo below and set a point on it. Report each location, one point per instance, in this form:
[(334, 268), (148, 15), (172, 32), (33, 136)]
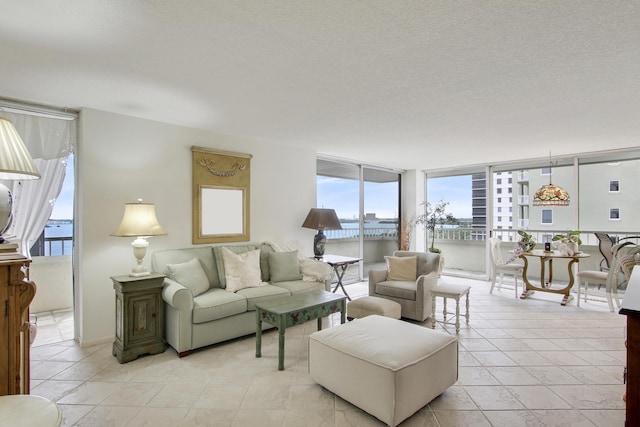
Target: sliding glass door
[(366, 201)]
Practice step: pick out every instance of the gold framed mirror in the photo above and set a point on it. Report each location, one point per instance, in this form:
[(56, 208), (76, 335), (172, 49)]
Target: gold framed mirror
[(220, 193)]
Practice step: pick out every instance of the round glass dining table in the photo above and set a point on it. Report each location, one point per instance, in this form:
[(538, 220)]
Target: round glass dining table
[(545, 285)]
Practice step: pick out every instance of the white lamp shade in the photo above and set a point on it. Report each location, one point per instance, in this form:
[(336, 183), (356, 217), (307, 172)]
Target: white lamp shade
[(15, 161), (139, 219)]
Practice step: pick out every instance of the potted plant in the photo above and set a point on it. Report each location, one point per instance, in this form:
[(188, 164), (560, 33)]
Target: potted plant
[(436, 215), (568, 242), (526, 242)]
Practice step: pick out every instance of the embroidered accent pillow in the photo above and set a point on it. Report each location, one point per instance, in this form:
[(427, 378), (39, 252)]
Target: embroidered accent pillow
[(241, 270)]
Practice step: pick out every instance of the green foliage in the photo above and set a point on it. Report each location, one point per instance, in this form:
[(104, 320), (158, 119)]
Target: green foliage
[(570, 236), (527, 242), (436, 215)]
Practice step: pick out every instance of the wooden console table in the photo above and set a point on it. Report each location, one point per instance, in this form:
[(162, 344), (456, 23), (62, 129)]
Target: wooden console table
[(16, 293), (631, 309)]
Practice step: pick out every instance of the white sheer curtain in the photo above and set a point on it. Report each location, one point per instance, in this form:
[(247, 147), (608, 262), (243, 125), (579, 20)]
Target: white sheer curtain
[(49, 141)]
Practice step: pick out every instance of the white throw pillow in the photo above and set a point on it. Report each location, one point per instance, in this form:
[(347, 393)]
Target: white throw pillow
[(241, 270), (191, 275)]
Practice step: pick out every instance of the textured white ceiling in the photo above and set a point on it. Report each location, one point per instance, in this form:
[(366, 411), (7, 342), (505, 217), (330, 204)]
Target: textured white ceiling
[(407, 84)]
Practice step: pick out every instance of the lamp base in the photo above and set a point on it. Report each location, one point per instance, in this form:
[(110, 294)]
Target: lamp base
[(139, 251), (319, 242)]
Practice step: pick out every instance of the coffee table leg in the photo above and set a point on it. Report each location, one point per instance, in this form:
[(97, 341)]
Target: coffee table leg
[(319, 323), (258, 333), (343, 311), (281, 330)]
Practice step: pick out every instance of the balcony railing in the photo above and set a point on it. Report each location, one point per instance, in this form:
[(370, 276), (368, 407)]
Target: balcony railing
[(56, 246), (354, 233)]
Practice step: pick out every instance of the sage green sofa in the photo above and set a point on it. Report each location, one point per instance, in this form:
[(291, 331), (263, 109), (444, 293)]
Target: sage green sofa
[(201, 311)]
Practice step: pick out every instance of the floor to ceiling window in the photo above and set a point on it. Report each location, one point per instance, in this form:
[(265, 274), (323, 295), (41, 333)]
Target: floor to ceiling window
[(464, 197), (366, 200), (604, 192)]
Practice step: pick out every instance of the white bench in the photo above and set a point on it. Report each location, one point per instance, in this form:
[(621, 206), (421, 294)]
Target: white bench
[(386, 367)]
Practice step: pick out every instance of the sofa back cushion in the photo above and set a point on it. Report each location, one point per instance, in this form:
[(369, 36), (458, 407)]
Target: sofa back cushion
[(265, 250), (204, 254), (427, 261)]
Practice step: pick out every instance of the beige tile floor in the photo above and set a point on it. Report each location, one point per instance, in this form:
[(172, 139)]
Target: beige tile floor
[(522, 363)]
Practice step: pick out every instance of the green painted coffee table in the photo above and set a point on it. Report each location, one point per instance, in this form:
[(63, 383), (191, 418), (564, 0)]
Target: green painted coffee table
[(293, 310)]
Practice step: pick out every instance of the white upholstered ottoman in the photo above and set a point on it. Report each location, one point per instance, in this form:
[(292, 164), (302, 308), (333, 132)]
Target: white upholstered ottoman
[(386, 367), (365, 306)]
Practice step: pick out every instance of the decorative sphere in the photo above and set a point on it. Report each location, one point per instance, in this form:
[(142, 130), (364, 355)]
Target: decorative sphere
[(6, 204)]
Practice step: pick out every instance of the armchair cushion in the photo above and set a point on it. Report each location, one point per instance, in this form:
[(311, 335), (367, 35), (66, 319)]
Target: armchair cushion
[(284, 266), (398, 289), (401, 268), (191, 275), (241, 270)]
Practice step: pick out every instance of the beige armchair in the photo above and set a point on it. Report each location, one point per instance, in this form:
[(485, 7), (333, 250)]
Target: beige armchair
[(414, 296)]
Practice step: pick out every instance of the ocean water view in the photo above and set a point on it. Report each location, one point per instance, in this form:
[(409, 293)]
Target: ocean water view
[(372, 227), (58, 229)]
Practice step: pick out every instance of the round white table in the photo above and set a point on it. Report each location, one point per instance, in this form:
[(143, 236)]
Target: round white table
[(27, 410)]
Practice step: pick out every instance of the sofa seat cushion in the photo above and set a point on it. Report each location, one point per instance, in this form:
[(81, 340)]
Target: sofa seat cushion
[(262, 293), (216, 304), (397, 289), (298, 286)]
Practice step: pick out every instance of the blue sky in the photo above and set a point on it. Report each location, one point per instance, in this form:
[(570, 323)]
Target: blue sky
[(381, 199), (453, 189), (63, 208)]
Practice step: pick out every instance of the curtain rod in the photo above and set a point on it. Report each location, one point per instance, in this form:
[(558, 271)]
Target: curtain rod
[(11, 106)]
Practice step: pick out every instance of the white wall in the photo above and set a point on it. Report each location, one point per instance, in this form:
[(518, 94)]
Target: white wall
[(121, 159)]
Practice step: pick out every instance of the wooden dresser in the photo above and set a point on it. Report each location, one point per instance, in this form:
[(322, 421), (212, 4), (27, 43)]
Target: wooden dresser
[(631, 308), (16, 293)]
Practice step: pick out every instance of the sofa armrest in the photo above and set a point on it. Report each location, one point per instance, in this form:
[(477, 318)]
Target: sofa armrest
[(176, 295), (375, 277)]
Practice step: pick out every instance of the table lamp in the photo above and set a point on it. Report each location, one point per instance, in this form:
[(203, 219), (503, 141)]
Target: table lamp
[(321, 219), (15, 164), (139, 221)]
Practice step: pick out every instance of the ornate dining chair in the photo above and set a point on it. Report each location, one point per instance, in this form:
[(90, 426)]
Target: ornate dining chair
[(501, 267), (605, 243), (624, 257)]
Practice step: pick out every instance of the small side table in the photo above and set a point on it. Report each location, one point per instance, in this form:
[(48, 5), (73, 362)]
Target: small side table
[(139, 316), (449, 291), (339, 264)]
